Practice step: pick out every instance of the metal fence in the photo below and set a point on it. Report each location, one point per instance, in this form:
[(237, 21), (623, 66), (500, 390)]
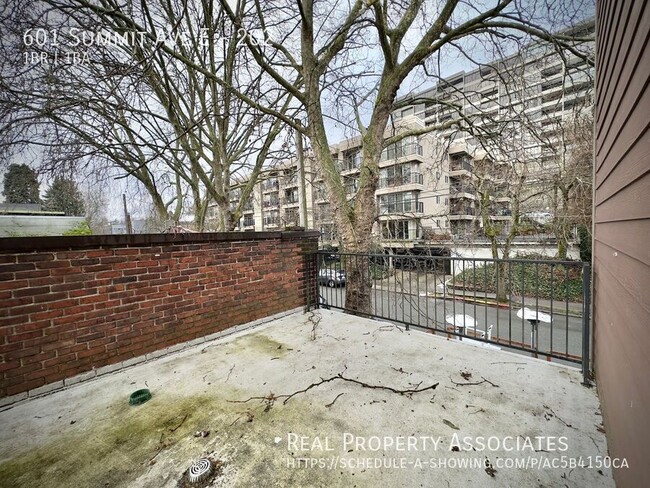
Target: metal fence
[(535, 306)]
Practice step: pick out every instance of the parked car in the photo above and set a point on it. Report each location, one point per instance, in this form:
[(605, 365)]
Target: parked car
[(331, 277)]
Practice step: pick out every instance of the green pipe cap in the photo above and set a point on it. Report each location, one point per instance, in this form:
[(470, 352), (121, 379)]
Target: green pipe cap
[(138, 397)]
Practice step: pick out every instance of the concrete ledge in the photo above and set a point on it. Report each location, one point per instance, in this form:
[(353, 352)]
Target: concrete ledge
[(39, 244), (11, 401)]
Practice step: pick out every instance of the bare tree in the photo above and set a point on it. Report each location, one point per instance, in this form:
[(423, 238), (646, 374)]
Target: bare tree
[(325, 55), (123, 101)]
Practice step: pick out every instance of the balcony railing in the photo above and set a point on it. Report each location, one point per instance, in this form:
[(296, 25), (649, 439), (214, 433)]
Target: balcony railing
[(460, 165), (270, 185), (351, 162), (272, 221), (400, 151), (537, 307), (270, 203), (249, 222), (462, 211), (456, 189), (290, 201), (399, 180), (290, 180), (401, 207)]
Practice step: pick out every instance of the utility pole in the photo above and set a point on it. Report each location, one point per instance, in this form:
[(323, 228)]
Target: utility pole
[(301, 168), (127, 217)]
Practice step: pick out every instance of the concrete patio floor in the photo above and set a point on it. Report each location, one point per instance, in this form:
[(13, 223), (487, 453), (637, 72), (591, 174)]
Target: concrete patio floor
[(537, 422)]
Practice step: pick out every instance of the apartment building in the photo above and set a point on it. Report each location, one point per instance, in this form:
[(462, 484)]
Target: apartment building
[(516, 116), (441, 186), (276, 202)]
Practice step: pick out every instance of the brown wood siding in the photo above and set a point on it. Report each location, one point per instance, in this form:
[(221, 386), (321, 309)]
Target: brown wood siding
[(621, 253)]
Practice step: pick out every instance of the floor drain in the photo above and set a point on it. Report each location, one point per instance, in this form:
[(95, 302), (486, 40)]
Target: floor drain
[(138, 397), (200, 470)]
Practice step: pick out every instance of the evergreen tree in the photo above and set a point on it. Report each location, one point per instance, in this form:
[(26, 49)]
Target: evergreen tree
[(64, 196), (21, 185)]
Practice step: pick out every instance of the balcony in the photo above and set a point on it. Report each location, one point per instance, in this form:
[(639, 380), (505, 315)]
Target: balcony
[(290, 181), (462, 212), (462, 191), (290, 201), (401, 180), (458, 168), (270, 184), (351, 163), (249, 222), (401, 207), (256, 390), (396, 152), (543, 396), (271, 221), (271, 203)]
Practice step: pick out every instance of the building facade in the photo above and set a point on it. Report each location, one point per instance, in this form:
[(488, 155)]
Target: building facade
[(498, 132)]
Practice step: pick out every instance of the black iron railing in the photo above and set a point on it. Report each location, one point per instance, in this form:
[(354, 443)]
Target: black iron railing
[(536, 306)]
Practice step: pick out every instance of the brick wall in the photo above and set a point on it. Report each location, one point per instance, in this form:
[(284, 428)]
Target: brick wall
[(71, 304)]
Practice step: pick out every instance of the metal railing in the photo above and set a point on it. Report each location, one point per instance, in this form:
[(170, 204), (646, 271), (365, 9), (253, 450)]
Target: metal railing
[(399, 180), (399, 151), (401, 207), (536, 306)]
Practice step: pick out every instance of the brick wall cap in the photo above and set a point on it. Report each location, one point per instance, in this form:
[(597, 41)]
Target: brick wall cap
[(52, 243)]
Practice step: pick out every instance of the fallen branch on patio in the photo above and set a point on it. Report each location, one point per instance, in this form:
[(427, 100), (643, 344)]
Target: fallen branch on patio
[(409, 392), (314, 319), (475, 383), (334, 401)]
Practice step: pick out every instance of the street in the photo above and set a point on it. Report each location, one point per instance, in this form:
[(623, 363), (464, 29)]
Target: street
[(564, 332)]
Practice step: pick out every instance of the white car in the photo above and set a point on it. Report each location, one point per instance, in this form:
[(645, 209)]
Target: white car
[(331, 277)]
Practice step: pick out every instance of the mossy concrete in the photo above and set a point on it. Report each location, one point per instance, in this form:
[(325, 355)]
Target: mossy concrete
[(89, 436)]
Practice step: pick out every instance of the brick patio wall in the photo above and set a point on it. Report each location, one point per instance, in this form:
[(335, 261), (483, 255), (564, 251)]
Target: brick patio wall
[(72, 304)]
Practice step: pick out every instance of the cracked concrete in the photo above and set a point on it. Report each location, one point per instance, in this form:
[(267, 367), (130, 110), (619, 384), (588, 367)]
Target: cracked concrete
[(488, 405)]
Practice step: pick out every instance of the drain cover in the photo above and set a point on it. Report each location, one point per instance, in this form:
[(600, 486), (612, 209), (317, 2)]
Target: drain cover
[(200, 470), (138, 397)]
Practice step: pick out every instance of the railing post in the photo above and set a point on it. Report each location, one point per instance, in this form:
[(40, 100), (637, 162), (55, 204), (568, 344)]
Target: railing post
[(586, 305)]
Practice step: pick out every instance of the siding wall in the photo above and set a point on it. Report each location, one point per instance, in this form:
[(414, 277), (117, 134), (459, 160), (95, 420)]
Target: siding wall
[(622, 233)]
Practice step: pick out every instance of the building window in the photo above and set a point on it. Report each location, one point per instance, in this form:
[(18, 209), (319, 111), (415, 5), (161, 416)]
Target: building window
[(396, 229)]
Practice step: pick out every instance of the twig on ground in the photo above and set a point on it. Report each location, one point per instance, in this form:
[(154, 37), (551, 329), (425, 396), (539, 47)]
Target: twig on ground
[(409, 392), (314, 319), (179, 425), (334, 401), (229, 373), (400, 370), (556, 416), (474, 383)]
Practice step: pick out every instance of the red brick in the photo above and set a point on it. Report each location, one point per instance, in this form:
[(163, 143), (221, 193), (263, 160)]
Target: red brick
[(36, 371), (55, 266), (9, 365), (89, 337), (21, 353), (25, 386), (23, 336), (38, 358), (100, 253), (89, 353)]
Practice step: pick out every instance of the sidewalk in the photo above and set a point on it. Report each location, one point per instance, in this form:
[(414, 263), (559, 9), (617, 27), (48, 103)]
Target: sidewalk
[(543, 304), (438, 287), (573, 309)]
